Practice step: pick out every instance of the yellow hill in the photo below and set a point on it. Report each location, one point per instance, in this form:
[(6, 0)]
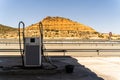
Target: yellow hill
[(59, 27)]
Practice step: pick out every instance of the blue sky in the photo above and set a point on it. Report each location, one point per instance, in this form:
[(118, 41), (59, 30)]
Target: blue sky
[(101, 15)]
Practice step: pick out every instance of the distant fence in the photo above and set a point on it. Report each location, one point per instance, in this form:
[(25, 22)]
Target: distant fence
[(70, 43)]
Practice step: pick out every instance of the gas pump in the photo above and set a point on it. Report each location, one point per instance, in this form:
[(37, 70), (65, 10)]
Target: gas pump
[(32, 53), (32, 48)]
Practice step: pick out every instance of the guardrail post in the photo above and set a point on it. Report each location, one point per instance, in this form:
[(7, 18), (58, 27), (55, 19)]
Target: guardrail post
[(98, 52), (64, 52), (112, 44), (96, 44)]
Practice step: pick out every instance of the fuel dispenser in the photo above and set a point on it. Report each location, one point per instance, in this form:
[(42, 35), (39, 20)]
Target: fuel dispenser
[(32, 48)]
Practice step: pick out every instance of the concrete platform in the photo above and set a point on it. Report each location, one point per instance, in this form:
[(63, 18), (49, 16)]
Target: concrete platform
[(106, 67), (81, 72)]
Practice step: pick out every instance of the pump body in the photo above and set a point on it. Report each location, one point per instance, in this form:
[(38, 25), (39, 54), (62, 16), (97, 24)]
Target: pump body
[(32, 52)]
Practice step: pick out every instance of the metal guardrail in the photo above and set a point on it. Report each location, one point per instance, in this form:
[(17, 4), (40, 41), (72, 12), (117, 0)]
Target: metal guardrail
[(85, 43), (67, 50), (9, 50), (58, 42), (63, 40), (76, 43)]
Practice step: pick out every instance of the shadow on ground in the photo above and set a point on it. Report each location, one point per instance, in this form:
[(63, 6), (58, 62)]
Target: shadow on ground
[(80, 72)]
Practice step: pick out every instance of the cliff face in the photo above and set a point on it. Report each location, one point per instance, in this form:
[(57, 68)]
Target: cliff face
[(59, 27)]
